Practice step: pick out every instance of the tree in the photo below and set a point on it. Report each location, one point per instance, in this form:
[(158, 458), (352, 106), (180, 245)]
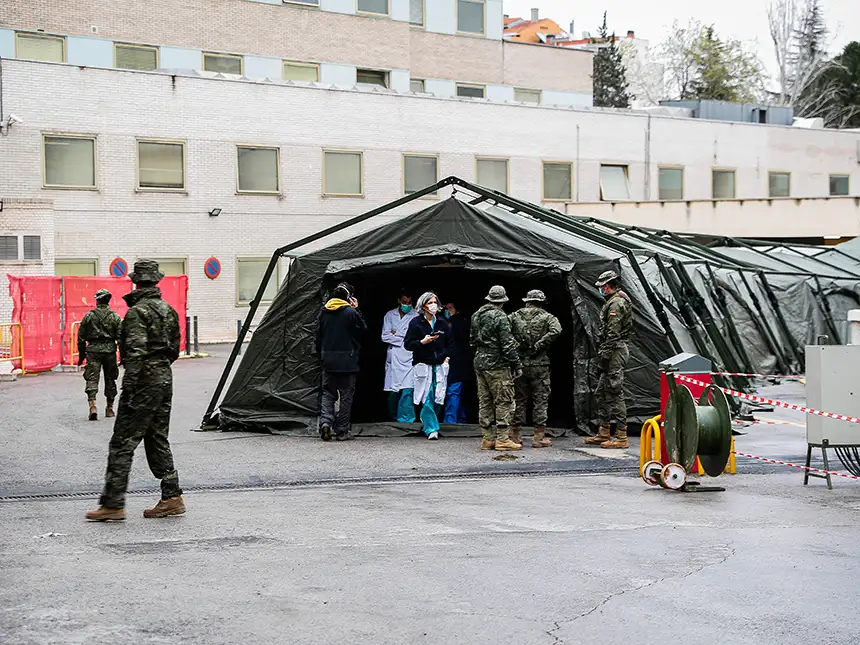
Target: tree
[(838, 90), (610, 80)]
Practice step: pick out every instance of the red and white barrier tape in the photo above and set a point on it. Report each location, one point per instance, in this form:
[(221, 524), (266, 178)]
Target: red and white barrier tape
[(788, 463), (759, 399), (763, 423), (748, 375)]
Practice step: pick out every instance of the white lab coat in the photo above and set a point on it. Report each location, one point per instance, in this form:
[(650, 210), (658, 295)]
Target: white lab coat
[(398, 362), (423, 379)]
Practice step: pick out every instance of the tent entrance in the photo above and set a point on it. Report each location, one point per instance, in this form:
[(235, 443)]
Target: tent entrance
[(377, 288)]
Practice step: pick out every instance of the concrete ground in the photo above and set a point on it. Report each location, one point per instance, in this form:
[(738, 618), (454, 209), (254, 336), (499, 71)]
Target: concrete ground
[(407, 541)]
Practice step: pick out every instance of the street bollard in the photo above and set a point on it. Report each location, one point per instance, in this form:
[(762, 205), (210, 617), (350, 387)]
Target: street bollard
[(196, 338), (188, 335)]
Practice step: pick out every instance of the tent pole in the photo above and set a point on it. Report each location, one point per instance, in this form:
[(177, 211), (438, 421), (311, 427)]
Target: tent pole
[(683, 306), (655, 303), (774, 303), (782, 360), (722, 305), (825, 309)]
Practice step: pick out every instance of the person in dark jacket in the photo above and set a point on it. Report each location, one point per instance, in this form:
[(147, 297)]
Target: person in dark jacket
[(429, 339), (338, 344), (460, 365)]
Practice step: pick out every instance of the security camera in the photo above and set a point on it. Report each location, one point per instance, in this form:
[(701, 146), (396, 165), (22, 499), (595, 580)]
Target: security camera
[(13, 118)]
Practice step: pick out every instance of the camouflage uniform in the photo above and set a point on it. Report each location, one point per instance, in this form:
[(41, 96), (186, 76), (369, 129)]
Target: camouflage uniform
[(616, 326), (534, 330), (97, 338), (149, 343), (496, 362)]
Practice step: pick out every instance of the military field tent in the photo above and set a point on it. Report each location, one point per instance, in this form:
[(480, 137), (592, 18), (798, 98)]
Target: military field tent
[(749, 306)]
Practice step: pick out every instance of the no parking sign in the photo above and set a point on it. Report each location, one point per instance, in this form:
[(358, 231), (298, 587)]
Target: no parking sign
[(119, 268), (212, 268)]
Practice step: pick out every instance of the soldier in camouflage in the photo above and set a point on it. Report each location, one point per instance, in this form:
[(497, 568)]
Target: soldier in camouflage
[(616, 327), (534, 330), (149, 343), (497, 364), (98, 334)]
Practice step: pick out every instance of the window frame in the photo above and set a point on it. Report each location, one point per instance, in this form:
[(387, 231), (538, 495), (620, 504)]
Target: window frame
[(532, 91), (298, 63), (158, 261), (34, 34), (423, 24), (557, 162), (770, 173), (154, 48), (19, 247), (483, 89), (425, 155), (148, 189), (63, 135), (223, 55), (474, 34), (277, 150), (626, 169), (302, 3), (93, 261), (831, 177), (386, 77), (423, 82), (249, 258), (360, 12), (507, 160), (734, 173), (360, 153), (683, 182)]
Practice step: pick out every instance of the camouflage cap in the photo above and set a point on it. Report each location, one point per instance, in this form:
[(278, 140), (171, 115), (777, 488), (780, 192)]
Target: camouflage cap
[(103, 293), (606, 277), (146, 270), (497, 295), (535, 295)]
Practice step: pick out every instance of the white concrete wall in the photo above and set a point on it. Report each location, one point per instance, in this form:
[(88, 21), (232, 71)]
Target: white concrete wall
[(116, 220)]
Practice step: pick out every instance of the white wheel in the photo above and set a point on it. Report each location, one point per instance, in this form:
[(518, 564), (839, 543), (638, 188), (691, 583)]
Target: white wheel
[(651, 473), (673, 476)]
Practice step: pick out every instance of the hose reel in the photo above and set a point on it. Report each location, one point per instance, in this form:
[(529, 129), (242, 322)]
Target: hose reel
[(692, 429)]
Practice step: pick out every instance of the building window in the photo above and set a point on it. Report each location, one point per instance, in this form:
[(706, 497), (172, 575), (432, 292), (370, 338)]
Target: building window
[(257, 170), (557, 181), (222, 63), (779, 184), (8, 247), (419, 172), (416, 13), (32, 247), (416, 85), (839, 185), (308, 72), (371, 77), (82, 268), (161, 165), (70, 162), (723, 184), (470, 16), (311, 3), (614, 185), (492, 173), (40, 47), (342, 173), (172, 266), (671, 183), (249, 275), (527, 96), (470, 91), (141, 57), (377, 7)]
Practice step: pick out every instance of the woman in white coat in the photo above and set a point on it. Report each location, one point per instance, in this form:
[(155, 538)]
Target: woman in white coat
[(399, 379)]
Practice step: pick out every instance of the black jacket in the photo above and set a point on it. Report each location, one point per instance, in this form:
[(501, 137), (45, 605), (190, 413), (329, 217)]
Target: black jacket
[(460, 353), (433, 353), (338, 342)]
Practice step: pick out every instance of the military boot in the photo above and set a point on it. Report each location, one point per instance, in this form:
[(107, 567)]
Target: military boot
[(488, 442), (105, 514), (516, 435), (619, 442), (601, 438), (540, 440), (109, 409), (504, 444), (94, 412), (166, 507)]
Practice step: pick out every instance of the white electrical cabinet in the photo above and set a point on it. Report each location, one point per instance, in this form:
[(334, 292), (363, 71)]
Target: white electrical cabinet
[(833, 385)]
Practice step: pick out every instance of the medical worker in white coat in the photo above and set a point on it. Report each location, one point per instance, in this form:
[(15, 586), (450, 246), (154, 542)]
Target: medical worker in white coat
[(399, 378)]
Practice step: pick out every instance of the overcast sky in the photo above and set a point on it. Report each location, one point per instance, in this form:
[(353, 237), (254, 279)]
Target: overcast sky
[(742, 19)]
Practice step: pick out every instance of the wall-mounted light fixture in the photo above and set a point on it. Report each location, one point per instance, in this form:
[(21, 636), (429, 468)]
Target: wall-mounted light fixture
[(215, 212)]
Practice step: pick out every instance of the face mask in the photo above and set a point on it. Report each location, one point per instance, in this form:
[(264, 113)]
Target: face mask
[(447, 314), (433, 308), (406, 308)]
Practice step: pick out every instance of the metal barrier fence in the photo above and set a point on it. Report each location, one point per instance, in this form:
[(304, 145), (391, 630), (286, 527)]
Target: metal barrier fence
[(12, 344), (73, 343)]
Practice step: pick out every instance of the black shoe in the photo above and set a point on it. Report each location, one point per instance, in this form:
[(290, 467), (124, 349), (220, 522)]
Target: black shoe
[(346, 436), (325, 433)]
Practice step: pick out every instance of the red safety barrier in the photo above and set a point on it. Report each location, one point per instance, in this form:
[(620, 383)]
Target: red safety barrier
[(39, 301)]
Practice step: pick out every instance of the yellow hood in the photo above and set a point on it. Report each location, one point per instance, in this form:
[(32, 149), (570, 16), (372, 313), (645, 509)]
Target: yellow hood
[(336, 303)]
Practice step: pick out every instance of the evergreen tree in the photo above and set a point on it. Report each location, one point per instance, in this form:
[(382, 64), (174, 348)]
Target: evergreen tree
[(724, 70), (609, 77)]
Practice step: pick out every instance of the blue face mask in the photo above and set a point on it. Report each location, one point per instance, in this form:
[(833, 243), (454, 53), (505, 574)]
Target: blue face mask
[(447, 314), (406, 308)]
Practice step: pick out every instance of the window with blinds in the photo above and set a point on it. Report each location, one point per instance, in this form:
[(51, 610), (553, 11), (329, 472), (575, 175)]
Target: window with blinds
[(222, 63), (40, 47), (371, 77), (470, 16), (307, 72), (161, 165), (69, 162), (379, 7), (142, 57), (416, 13), (527, 96)]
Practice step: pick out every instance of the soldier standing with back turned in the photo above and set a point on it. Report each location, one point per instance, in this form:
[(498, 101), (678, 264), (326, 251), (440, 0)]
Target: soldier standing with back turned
[(616, 326), (149, 343), (98, 334), (534, 329)]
